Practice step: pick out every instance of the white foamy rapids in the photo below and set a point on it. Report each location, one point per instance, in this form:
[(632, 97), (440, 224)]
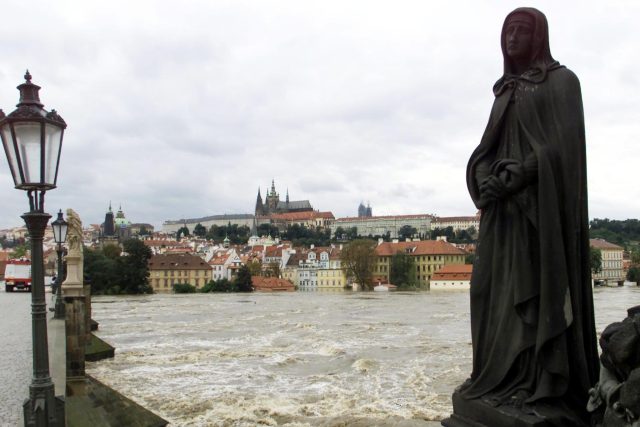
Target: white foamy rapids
[(295, 359)]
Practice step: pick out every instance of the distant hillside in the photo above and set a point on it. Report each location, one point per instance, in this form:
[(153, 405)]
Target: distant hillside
[(624, 233)]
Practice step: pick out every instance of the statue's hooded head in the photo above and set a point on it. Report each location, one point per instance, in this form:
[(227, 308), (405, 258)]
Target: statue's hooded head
[(539, 53)]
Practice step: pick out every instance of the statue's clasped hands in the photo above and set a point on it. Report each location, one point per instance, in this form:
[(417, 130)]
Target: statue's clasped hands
[(507, 177)]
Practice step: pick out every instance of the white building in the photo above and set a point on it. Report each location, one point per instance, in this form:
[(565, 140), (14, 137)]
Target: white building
[(172, 226), (381, 225), (457, 222)]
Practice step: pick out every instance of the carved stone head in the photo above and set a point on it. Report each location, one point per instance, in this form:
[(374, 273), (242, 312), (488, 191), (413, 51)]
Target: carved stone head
[(525, 37)]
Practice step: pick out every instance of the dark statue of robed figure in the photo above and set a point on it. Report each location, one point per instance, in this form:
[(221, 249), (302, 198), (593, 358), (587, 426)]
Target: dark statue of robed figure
[(532, 322)]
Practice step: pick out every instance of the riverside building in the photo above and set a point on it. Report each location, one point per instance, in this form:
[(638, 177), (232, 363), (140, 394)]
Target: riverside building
[(429, 256), (168, 270)]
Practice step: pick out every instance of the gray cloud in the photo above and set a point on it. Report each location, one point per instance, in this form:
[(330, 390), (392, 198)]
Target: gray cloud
[(183, 110)]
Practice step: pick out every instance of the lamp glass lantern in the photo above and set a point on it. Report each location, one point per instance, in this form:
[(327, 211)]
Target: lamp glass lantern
[(32, 140), (60, 227)]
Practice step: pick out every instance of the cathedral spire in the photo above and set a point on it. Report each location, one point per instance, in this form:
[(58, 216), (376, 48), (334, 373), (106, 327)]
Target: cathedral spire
[(259, 206), (287, 195)]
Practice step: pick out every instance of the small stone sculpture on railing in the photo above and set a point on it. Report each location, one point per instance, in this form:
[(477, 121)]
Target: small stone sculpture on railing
[(618, 390)]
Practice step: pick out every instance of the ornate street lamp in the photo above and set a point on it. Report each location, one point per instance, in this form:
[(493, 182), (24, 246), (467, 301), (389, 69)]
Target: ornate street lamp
[(32, 140), (59, 236)]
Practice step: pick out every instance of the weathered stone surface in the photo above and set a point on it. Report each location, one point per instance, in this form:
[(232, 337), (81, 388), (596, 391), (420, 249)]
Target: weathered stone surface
[(91, 403), (477, 413), (97, 349)]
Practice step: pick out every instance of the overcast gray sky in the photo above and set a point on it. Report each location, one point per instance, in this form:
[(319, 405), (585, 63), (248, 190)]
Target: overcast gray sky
[(183, 109)]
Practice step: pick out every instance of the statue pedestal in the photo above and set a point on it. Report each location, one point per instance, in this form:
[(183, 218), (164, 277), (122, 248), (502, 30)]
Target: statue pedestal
[(74, 283), (477, 413), (76, 331)]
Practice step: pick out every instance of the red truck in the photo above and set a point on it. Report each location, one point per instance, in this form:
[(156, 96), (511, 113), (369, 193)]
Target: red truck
[(17, 275)]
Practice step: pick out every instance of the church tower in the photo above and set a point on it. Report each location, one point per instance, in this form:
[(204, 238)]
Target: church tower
[(109, 228), (109, 235), (273, 198), (362, 211), (259, 205)]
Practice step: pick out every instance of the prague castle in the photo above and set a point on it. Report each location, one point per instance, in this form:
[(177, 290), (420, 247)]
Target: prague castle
[(273, 205)]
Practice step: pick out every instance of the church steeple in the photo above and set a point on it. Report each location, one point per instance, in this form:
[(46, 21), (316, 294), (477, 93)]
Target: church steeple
[(259, 205), (109, 227), (287, 195), (254, 227)]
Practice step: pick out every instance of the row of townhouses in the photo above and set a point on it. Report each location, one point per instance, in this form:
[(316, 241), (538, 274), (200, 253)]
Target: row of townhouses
[(314, 268)]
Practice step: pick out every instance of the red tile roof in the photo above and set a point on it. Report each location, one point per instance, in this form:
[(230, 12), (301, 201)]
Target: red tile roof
[(177, 262), (453, 272), (167, 243), (603, 244), (180, 250), (300, 216), (270, 284), (273, 251), (218, 260), (456, 218)]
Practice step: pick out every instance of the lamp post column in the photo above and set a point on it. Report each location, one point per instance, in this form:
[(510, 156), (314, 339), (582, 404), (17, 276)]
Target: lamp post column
[(42, 408), (60, 307)]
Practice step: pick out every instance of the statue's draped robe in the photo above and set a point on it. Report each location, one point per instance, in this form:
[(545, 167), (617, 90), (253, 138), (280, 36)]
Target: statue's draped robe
[(531, 299)]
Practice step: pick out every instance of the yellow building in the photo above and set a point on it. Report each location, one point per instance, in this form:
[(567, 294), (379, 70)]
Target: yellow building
[(612, 272), (428, 255), (316, 268), (331, 275), (168, 270)]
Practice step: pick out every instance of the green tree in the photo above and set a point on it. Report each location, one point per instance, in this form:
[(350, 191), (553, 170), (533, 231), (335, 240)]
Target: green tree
[(184, 288), (625, 233), (352, 233), (135, 267), (595, 260), (301, 235), (220, 285), (358, 258), (464, 236), (101, 272), (112, 251), (268, 230), (447, 232), (273, 269), (407, 232), (199, 230), (182, 231), (633, 275), (402, 271), (243, 281), (19, 251), (255, 268), (236, 234)]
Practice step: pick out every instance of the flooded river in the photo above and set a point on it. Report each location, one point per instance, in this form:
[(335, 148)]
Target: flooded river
[(297, 359)]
